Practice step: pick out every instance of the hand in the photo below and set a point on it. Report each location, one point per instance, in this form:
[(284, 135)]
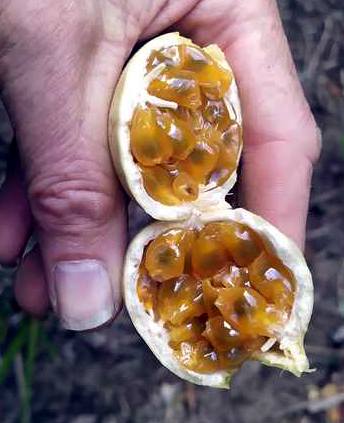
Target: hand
[(59, 63)]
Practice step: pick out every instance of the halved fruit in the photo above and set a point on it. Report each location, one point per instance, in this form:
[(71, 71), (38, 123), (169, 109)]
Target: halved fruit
[(212, 287), (175, 127), (203, 320)]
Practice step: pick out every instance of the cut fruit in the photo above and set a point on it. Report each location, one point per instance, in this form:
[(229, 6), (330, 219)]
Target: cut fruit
[(214, 286), (184, 109), (214, 314)]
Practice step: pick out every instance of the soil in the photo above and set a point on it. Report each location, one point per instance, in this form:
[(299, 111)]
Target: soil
[(110, 376)]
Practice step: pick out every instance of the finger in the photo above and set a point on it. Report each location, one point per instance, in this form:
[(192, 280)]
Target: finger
[(30, 287), (15, 216), (276, 184), (280, 136), (74, 196)]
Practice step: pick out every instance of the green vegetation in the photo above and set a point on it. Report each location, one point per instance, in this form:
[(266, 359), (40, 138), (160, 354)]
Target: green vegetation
[(22, 338)]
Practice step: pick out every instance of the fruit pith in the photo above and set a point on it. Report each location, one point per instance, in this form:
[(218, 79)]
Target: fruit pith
[(219, 292), (196, 142)]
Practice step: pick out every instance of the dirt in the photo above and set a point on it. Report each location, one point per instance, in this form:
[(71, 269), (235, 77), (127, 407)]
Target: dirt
[(110, 376)]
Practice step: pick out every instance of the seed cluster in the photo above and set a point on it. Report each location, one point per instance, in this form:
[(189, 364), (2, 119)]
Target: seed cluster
[(195, 144), (219, 292)]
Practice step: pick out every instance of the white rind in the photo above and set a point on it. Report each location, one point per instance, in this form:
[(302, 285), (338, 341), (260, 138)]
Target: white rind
[(131, 91), (292, 356)]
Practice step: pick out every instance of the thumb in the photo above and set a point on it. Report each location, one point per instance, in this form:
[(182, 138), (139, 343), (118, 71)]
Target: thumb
[(59, 106)]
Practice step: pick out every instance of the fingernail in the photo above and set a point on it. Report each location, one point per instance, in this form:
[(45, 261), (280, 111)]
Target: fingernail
[(83, 294)]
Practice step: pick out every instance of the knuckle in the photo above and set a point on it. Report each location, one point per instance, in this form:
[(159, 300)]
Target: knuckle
[(72, 204)]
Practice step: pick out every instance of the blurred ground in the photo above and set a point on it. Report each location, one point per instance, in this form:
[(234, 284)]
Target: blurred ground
[(111, 376)]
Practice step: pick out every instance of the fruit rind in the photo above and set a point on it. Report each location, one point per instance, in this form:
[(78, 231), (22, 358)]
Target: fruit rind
[(291, 340), (130, 91)]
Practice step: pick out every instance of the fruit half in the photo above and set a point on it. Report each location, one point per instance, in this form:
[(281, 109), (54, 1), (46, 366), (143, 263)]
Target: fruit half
[(175, 127), (209, 293)]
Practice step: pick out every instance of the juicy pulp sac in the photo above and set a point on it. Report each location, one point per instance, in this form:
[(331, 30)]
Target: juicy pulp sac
[(219, 292), (177, 150)]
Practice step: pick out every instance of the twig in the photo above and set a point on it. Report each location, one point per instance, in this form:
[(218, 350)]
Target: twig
[(319, 50), (314, 406)]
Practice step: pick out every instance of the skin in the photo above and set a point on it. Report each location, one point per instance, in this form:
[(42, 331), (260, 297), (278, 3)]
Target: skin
[(59, 63)]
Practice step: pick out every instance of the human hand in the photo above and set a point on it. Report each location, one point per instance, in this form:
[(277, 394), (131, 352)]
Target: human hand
[(59, 63)]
